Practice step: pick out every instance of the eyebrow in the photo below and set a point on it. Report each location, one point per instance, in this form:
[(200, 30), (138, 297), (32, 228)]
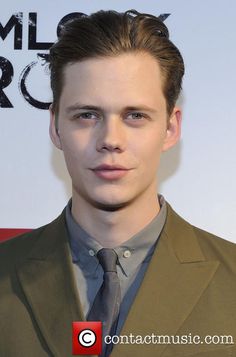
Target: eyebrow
[(78, 106)]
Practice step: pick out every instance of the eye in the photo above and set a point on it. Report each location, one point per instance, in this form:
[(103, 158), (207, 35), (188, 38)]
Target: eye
[(87, 116), (136, 116)]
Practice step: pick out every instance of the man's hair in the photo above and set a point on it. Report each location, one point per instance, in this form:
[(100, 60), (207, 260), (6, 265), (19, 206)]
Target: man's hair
[(110, 33)]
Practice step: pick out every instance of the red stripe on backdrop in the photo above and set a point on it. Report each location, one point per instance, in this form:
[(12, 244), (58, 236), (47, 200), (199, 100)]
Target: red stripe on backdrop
[(7, 233)]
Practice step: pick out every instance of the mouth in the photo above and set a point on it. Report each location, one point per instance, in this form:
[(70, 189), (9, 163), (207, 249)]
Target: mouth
[(110, 172), (110, 167)]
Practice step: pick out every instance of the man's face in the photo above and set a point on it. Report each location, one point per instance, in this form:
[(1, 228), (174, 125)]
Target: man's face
[(112, 112)]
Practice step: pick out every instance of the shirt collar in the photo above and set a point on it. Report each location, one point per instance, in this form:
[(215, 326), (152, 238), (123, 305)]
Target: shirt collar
[(83, 247), (131, 253)]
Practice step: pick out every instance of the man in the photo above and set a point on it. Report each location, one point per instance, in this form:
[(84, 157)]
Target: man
[(115, 79)]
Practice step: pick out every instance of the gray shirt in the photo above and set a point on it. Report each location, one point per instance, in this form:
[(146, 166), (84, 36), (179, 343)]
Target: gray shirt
[(134, 256)]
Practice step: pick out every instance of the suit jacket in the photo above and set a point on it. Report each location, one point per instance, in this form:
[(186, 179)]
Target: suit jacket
[(189, 289)]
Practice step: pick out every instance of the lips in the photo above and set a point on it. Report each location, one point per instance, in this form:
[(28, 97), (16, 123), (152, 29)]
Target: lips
[(110, 172), (110, 167)]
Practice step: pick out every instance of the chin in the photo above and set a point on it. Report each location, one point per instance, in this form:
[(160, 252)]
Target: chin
[(109, 207), (109, 203), (105, 199)]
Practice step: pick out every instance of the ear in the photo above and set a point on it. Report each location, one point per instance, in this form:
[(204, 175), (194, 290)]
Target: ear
[(173, 131), (53, 129)]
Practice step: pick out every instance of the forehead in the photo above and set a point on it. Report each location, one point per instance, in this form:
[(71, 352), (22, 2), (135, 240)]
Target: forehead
[(126, 78)]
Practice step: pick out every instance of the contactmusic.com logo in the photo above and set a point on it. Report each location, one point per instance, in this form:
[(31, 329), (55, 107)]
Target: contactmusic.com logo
[(87, 338)]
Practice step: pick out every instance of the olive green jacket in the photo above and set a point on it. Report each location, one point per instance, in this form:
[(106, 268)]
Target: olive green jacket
[(189, 289)]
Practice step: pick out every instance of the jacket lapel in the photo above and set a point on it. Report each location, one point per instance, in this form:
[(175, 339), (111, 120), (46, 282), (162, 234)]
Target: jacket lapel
[(176, 277), (47, 281)]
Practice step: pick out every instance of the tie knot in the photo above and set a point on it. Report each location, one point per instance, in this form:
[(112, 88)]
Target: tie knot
[(108, 259)]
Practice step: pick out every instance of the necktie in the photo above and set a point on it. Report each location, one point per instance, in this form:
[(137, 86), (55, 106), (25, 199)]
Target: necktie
[(106, 305)]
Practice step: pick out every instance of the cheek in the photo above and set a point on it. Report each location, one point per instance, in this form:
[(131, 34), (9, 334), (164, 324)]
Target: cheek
[(148, 154), (78, 152), (73, 144), (149, 148), (72, 153)]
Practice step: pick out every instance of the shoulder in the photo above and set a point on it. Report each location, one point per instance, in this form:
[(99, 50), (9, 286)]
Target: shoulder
[(20, 244), (16, 249), (212, 246), (215, 247)]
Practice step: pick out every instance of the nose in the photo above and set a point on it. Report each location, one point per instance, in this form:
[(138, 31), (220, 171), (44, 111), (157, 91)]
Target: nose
[(111, 135)]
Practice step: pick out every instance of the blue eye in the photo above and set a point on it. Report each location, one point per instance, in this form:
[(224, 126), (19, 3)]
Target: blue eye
[(136, 116), (87, 115)]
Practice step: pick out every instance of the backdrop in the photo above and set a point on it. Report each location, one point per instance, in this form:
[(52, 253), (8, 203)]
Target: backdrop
[(197, 177)]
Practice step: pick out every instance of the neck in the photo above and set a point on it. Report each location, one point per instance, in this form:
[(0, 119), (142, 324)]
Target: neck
[(111, 229)]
